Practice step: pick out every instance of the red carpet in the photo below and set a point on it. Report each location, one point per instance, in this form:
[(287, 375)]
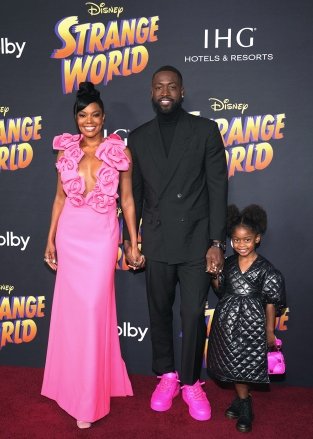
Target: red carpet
[(282, 413)]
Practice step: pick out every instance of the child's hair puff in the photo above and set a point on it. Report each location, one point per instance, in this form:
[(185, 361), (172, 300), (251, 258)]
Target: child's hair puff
[(253, 217)]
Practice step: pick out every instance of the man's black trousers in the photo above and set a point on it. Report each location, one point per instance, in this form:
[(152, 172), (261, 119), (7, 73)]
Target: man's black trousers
[(161, 281)]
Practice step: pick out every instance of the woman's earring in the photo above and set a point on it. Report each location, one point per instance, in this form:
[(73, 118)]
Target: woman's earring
[(231, 243)]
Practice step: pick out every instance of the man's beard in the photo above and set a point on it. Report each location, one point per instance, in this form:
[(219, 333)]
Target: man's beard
[(158, 109)]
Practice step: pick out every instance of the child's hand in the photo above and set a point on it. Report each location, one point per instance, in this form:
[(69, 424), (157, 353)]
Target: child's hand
[(271, 339)]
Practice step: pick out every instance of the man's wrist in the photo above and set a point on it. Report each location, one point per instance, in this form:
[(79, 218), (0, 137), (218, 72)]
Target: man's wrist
[(218, 244)]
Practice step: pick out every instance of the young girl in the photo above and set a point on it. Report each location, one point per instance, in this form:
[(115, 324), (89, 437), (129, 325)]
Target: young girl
[(252, 294)]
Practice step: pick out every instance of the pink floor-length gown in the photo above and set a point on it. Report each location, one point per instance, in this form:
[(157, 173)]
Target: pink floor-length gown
[(84, 367)]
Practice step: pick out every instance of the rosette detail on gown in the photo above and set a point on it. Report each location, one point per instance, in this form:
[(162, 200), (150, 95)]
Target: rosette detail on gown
[(84, 367)]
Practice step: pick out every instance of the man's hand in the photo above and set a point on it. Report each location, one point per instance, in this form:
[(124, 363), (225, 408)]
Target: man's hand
[(214, 260), (135, 260)]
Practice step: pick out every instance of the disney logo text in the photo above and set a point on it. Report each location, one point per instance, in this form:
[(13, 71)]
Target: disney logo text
[(95, 9), (218, 105)]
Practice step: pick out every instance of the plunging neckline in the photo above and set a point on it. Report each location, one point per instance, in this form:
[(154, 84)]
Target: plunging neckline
[(85, 194), (103, 193), (252, 263)]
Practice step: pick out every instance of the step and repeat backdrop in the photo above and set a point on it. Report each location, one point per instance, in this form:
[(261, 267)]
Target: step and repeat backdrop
[(246, 64)]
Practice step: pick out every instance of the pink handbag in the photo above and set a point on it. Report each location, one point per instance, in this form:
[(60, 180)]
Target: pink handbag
[(275, 360)]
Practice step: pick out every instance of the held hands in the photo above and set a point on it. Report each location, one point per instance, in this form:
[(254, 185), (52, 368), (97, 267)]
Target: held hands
[(214, 261), (50, 256), (135, 260)]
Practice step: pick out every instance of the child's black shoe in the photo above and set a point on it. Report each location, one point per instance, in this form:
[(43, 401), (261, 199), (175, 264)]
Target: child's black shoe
[(244, 423), (233, 410)]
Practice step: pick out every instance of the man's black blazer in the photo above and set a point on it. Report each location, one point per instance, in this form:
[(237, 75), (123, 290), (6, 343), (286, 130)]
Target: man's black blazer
[(182, 198)]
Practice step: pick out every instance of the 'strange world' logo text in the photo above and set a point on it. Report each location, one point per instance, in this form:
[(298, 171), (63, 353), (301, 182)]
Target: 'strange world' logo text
[(92, 51)]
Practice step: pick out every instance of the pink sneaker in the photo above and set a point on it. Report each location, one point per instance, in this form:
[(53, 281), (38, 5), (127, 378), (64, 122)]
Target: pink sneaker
[(165, 392), (199, 406)]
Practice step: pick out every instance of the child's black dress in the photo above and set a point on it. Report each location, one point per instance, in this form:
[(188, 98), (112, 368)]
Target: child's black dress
[(237, 343)]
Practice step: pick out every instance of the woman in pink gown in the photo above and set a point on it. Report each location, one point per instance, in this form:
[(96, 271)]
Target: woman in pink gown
[(84, 367)]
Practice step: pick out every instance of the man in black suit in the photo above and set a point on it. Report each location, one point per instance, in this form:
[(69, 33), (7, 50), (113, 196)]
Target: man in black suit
[(180, 191)]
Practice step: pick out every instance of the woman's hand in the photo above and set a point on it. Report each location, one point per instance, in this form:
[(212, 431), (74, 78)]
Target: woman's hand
[(134, 258), (138, 258), (50, 256)]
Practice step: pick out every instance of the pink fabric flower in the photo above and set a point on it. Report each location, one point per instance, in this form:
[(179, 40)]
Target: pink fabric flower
[(67, 168), (65, 140), (76, 199), (99, 201), (66, 164), (108, 180), (111, 151), (74, 151), (74, 186)]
